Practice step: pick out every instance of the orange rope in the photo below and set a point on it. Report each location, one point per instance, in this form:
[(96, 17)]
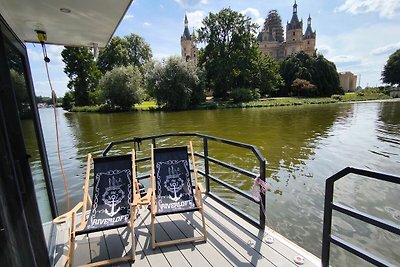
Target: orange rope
[(54, 98)]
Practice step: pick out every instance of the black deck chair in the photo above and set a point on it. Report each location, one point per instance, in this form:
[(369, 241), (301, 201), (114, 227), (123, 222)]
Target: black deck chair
[(172, 188), (113, 205)]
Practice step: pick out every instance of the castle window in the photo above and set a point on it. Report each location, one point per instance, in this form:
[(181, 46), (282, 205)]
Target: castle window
[(294, 39), (294, 33), (308, 42)]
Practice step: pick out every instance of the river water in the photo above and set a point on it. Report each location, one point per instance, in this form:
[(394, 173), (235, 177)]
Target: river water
[(303, 145)]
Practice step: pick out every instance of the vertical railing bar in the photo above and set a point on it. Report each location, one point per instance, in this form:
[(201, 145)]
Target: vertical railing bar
[(206, 164), (327, 225), (263, 204)]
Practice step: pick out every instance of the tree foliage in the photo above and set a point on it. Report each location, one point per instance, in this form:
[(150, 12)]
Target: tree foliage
[(122, 87), (315, 69), (230, 50), (82, 72), (176, 84), (302, 87), (130, 50), (391, 71), (68, 101)]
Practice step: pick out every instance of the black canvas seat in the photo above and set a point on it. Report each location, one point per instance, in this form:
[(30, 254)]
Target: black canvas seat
[(172, 187), (112, 194), (113, 203)]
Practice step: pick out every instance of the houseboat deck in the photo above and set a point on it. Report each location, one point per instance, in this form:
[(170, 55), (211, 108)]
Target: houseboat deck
[(231, 242)]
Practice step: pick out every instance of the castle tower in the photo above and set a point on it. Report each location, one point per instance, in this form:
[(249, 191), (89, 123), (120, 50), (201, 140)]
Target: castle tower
[(309, 38), (294, 33), (271, 42), (189, 50)]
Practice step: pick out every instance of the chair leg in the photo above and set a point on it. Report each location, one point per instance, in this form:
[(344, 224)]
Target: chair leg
[(132, 226), (204, 225), (71, 250), (153, 233)]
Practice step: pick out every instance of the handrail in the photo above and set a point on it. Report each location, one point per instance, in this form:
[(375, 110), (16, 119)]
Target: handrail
[(206, 173), (329, 206)]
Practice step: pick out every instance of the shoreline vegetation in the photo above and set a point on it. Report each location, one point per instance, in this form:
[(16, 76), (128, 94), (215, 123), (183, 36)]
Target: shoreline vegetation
[(265, 102)]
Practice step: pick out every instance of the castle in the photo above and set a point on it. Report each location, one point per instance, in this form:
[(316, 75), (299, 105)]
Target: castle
[(189, 50), (272, 43), (271, 40)]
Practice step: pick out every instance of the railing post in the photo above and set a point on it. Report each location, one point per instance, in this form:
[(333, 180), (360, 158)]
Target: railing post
[(263, 204), (327, 227), (206, 164)]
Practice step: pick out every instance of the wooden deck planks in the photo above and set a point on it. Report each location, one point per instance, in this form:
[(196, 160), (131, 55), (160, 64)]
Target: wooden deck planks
[(281, 245), (190, 228), (231, 242)]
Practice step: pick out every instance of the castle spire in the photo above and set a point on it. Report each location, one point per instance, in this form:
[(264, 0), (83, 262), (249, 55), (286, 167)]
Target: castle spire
[(186, 33), (295, 20), (309, 32)]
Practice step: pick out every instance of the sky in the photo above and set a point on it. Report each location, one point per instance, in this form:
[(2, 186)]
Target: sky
[(357, 35)]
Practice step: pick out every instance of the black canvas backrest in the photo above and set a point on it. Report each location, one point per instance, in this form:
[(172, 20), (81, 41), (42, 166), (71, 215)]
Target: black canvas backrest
[(173, 180), (112, 192)]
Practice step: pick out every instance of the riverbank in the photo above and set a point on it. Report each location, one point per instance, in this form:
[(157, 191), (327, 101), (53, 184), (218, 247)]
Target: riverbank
[(266, 102)]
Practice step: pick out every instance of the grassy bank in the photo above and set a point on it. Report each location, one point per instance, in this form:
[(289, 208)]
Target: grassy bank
[(267, 102)]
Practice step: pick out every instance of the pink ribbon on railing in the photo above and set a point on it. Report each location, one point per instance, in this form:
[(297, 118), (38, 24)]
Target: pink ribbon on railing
[(259, 187)]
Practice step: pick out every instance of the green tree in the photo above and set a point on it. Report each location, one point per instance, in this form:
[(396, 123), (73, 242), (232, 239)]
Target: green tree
[(391, 71), (130, 50), (122, 87), (230, 51), (82, 72), (68, 101), (176, 84), (315, 69), (265, 75)]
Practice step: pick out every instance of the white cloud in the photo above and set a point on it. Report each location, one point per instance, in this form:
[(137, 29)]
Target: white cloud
[(147, 24), (345, 59), (254, 14), (191, 3), (128, 16), (195, 18), (387, 49), (325, 50), (385, 8)]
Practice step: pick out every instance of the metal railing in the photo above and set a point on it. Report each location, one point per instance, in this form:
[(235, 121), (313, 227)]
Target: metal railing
[(328, 237), (260, 222)]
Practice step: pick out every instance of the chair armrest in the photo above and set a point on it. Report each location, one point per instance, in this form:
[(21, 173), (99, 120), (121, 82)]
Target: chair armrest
[(66, 216), (201, 188)]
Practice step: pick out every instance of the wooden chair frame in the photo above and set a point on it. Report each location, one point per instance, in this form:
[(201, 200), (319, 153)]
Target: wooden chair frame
[(83, 207), (198, 199)]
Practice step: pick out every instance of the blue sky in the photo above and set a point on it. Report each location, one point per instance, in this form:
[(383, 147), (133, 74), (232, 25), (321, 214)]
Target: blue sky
[(357, 35)]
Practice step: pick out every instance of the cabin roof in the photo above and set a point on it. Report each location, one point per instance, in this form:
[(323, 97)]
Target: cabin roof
[(66, 22)]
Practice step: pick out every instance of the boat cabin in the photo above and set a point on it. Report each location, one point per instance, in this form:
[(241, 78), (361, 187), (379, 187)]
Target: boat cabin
[(88, 23)]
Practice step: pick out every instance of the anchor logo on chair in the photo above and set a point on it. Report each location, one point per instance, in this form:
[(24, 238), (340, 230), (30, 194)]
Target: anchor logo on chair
[(173, 183), (113, 195)]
